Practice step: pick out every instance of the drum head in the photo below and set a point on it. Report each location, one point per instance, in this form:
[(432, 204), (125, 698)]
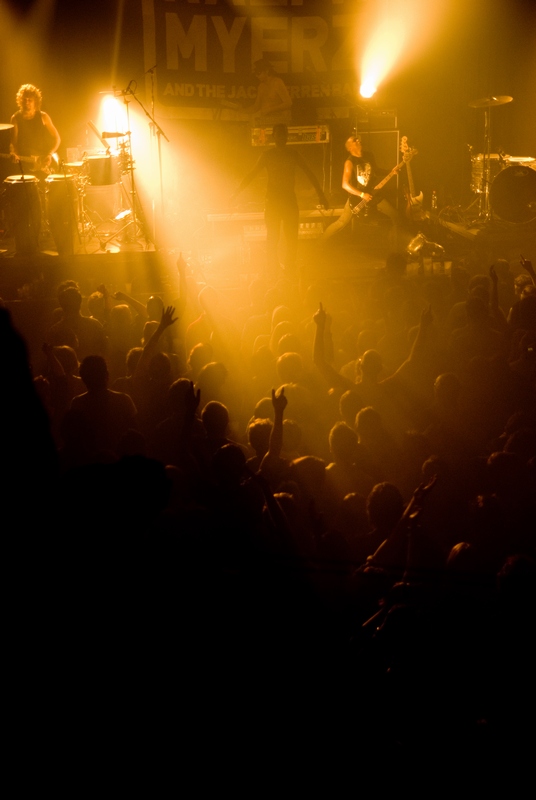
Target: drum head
[(513, 194), (58, 178), (20, 180)]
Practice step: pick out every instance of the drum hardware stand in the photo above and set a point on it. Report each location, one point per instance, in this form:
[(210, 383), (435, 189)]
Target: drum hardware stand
[(487, 103)]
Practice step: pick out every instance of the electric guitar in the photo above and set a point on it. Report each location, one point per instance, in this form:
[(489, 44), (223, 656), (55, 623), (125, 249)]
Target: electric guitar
[(406, 158), (414, 209), (36, 162)]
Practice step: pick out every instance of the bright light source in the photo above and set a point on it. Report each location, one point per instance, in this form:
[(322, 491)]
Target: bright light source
[(367, 89), (395, 33), (112, 116)]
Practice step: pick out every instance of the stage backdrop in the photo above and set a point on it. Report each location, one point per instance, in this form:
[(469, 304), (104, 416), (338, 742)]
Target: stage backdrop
[(204, 50)]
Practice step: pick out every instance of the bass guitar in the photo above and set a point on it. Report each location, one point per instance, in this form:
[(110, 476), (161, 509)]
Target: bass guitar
[(36, 163), (414, 209), (406, 158)]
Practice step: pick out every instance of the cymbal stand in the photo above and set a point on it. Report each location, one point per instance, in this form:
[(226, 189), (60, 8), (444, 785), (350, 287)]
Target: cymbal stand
[(485, 213)]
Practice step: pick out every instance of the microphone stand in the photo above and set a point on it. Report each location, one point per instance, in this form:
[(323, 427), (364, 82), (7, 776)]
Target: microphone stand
[(157, 131), (136, 222)]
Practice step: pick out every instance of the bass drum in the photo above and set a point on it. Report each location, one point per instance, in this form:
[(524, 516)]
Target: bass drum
[(62, 212), (24, 212), (513, 194)]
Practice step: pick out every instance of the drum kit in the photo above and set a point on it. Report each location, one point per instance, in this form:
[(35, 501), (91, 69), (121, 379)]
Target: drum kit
[(505, 185), (75, 204)]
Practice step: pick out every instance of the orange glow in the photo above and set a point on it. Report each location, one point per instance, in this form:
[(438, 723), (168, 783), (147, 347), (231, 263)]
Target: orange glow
[(397, 33)]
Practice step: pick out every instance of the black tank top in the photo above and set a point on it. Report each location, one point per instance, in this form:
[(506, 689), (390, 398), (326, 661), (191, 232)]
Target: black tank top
[(33, 138)]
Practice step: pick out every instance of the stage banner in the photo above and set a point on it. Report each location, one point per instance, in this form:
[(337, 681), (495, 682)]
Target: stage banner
[(202, 52)]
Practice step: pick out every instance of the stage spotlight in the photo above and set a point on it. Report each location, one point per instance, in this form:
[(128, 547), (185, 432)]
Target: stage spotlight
[(367, 89)]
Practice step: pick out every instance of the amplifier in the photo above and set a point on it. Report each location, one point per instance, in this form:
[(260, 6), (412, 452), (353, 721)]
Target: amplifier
[(298, 134)]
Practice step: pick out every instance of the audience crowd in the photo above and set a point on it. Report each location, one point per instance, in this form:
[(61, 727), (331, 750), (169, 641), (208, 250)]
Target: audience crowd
[(316, 510)]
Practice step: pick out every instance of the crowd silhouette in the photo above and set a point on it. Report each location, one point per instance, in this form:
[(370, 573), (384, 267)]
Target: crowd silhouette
[(319, 505)]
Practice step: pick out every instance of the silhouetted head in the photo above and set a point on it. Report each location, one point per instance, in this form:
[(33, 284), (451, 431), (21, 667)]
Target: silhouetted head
[(385, 506), (155, 306), (67, 358), (215, 418), (94, 373), (70, 300), (259, 432), (262, 65), (371, 364), (343, 442), (28, 90)]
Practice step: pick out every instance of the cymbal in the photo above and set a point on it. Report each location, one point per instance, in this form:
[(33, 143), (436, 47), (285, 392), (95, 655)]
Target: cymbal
[(483, 102), (5, 126), (112, 134), (75, 164)]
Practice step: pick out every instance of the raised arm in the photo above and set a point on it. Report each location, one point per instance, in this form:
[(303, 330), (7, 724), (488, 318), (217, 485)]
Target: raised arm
[(527, 265), (279, 402), (323, 333), (139, 308), (151, 346)]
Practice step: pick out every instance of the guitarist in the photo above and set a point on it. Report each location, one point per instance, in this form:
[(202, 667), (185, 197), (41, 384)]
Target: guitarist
[(360, 173), (33, 133)]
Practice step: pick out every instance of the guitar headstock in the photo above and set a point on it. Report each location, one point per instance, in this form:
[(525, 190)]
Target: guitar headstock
[(407, 151)]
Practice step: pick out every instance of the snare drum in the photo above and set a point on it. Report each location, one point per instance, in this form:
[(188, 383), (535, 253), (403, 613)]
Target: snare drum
[(24, 212), (496, 164), (62, 211)]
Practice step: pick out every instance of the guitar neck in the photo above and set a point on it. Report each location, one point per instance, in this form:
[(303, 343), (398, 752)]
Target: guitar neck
[(378, 186), (382, 183)]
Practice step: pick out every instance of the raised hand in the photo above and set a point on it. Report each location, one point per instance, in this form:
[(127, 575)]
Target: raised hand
[(279, 401), (415, 505), (320, 316), (167, 317)]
